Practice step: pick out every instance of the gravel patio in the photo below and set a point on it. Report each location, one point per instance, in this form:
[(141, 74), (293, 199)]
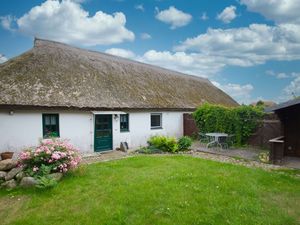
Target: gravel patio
[(249, 154)]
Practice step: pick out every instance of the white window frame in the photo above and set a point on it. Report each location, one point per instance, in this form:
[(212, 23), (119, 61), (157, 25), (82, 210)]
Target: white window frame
[(161, 118)]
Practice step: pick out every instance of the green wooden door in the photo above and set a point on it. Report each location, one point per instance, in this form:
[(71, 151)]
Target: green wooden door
[(103, 132)]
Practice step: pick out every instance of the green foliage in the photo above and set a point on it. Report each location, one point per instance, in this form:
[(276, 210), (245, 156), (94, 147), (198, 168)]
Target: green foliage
[(264, 157), (240, 121), (164, 143), (51, 135), (184, 143), (46, 182), (43, 171), (260, 103), (149, 150), (158, 144)]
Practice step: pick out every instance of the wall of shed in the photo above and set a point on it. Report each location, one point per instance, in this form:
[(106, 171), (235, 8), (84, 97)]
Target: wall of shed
[(24, 128), (290, 118)]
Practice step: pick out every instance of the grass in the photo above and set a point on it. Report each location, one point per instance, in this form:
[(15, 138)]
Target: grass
[(159, 190)]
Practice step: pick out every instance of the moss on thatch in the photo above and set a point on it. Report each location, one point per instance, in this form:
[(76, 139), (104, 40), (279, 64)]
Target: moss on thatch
[(55, 74)]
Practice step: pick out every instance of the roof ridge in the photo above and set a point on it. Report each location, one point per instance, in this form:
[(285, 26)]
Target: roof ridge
[(38, 42)]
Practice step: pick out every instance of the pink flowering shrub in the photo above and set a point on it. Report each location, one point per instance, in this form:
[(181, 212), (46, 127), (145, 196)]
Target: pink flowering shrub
[(52, 155)]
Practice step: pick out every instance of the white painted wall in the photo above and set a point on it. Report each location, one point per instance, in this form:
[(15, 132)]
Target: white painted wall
[(24, 128), (19, 130), (140, 128), (78, 127)]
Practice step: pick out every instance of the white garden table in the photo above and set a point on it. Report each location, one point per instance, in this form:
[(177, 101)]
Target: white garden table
[(215, 137)]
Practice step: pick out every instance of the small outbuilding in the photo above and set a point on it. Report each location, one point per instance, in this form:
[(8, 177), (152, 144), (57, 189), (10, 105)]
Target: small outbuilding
[(289, 143)]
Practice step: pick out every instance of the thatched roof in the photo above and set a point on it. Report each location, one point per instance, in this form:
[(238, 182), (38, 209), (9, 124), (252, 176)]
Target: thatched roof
[(284, 105), (57, 75)]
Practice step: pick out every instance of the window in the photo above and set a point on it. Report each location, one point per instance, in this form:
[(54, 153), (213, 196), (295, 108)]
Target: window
[(156, 120), (50, 125), (124, 122)]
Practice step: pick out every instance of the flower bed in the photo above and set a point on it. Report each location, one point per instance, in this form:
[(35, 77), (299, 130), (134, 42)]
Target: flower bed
[(42, 166), (55, 155)]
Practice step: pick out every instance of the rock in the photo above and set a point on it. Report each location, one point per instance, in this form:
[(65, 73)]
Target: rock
[(7, 164), (28, 182), (11, 174), (9, 184), (2, 175), (20, 175), (123, 146), (55, 176)]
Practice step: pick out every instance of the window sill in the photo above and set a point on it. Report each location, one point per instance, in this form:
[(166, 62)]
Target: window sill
[(156, 128), (124, 131), (50, 137)]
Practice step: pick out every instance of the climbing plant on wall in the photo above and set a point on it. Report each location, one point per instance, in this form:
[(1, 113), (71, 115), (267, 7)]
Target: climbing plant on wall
[(240, 121)]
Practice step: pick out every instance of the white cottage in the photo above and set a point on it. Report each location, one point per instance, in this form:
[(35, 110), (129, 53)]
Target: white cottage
[(93, 99)]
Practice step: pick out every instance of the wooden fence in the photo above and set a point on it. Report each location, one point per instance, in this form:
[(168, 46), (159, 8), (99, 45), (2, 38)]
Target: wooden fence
[(270, 128), (189, 125)]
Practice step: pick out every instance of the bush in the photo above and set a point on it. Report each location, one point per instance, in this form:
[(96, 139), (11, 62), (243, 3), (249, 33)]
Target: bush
[(264, 157), (164, 143), (52, 155), (184, 143), (149, 150), (240, 121), (46, 182)]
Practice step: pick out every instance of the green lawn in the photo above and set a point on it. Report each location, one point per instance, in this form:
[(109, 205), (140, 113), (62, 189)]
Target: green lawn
[(159, 190)]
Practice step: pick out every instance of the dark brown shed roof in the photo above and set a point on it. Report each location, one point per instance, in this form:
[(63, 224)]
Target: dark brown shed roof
[(53, 74)]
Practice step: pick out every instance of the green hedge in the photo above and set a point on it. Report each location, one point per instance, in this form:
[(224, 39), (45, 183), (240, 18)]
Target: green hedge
[(240, 121)]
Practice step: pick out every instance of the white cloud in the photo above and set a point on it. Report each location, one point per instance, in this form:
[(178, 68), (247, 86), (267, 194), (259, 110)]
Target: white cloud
[(180, 61), (247, 46), (204, 16), (121, 52), (241, 93), (176, 18), (282, 75), (66, 21), (228, 14), (145, 36), (277, 75), (2, 58), (294, 74), (7, 21), (280, 11), (292, 90), (140, 7)]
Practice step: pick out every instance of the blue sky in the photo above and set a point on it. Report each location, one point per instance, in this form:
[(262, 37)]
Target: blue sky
[(248, 48)]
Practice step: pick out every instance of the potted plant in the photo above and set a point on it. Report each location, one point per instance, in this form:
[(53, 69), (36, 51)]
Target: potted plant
[(6, 155)]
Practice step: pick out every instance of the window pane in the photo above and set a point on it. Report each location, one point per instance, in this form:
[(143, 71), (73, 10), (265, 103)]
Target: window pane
[(53, 120), (47, 120), (156, 120), (50, 125), (124, 122)]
